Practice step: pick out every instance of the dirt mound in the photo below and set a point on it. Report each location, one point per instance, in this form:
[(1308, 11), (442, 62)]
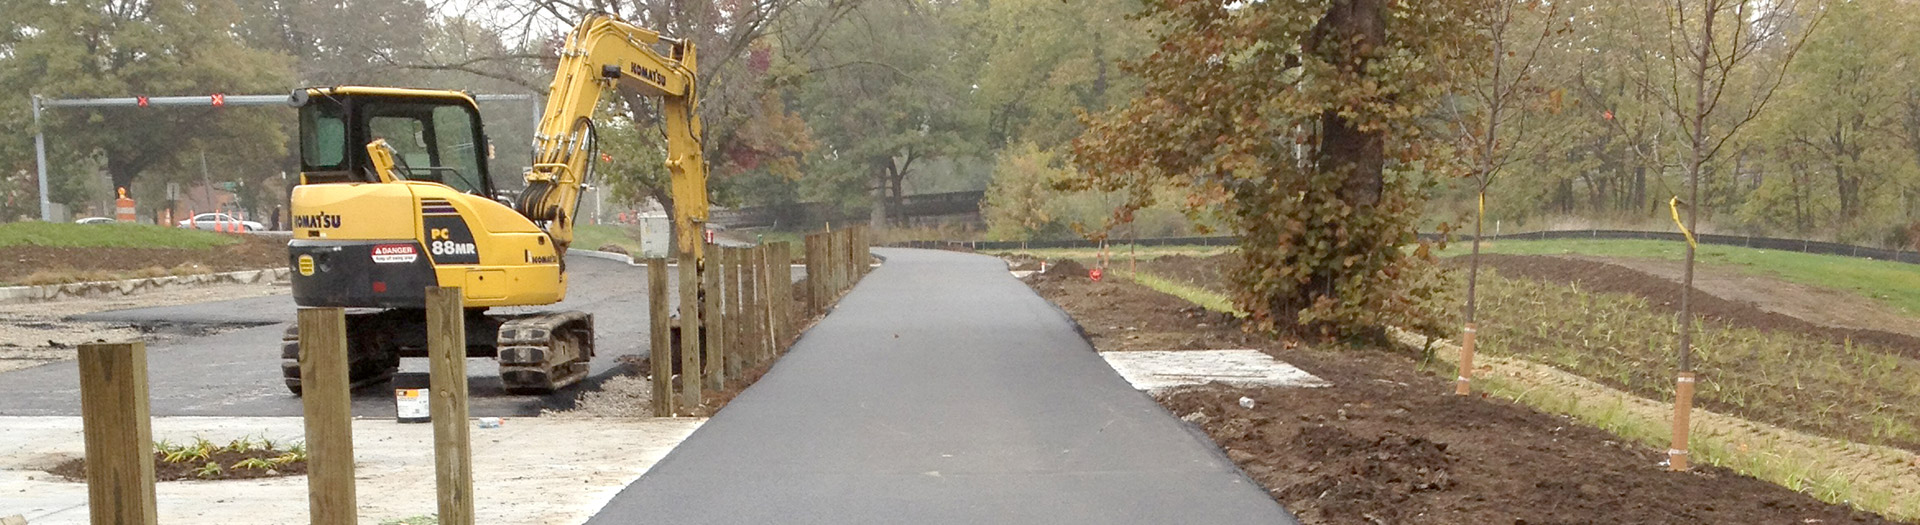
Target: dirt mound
[(1065, 268), (48, 265), (1664, 294)]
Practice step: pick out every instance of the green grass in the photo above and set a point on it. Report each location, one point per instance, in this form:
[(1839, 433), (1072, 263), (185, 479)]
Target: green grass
[(593, 236), (1892, 283), (1193, 294), (69, 235)]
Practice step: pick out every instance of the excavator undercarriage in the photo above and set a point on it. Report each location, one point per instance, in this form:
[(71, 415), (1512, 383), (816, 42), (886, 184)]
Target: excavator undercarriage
[(538, 353)]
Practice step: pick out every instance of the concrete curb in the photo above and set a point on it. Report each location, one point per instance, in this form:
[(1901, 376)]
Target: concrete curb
[(49, 292), (617, 257)]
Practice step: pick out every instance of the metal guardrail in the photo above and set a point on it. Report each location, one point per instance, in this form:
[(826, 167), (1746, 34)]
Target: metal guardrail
[(1748, 241)]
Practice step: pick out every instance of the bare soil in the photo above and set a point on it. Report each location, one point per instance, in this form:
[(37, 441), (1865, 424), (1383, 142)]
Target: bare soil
[(1388, 444), (20, 264), (76, 469)]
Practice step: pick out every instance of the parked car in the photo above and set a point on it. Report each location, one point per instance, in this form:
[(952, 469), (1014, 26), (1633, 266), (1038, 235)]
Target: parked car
[(95, 220), (212, 221)]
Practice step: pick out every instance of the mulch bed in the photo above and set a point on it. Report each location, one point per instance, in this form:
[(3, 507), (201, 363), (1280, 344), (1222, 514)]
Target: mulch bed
[(76, 469), (1389, 444), (253, 252)]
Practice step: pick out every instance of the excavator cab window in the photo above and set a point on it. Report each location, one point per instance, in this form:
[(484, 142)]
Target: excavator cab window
[(433, 140)]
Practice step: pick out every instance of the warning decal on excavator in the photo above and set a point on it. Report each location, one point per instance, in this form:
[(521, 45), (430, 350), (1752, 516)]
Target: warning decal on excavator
[(449, 241), (394, 253)]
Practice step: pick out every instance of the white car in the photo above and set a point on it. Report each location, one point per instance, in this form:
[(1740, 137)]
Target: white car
[(95, 220), (220, 221)]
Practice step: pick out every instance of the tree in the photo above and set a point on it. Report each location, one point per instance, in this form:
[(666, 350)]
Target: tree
[(1712, 43), (1497, 86), (1044, 62), (162, 47), (1304, 121), (884, 92)]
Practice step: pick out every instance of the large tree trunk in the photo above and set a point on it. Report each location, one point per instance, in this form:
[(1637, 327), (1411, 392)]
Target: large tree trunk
[(1347, 37)]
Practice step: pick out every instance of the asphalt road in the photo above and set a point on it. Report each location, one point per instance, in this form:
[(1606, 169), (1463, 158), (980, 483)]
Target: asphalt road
[(237, 373), (941, 390)]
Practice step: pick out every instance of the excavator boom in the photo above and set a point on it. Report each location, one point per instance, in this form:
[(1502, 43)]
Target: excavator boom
[(604, 53)]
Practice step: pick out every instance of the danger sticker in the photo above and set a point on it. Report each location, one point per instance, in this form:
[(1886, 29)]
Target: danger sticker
[(395, 253)]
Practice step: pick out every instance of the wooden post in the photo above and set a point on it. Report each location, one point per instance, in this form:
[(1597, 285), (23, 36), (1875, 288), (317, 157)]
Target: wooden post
[(689, 333), (452, 447), (718, 362), (815, 274), (837, 267), (736, 339), (853, 270), (326, 396), (862, 243), (782, 282), (743, 311), (757, 324), (119, 436), (661, 330)]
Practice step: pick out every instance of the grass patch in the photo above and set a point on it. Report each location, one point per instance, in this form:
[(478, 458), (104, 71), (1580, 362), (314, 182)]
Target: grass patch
[(1208, 299), (594, 236), (60, 234), (1889, 282)]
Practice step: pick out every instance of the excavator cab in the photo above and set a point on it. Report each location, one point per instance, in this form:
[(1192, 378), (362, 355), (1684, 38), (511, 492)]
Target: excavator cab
[(434, 136)]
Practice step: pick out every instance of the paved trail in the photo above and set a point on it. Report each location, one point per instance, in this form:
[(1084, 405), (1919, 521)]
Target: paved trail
[(941, 390)]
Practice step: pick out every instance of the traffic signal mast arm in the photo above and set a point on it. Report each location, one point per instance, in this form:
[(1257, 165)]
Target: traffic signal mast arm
[(604, 53)]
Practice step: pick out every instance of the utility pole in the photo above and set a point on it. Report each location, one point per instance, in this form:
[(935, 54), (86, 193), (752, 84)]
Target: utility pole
[(40, 155)]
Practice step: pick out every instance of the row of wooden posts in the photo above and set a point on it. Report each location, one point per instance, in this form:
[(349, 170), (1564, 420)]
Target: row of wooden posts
[(749, 298), (119, 437)]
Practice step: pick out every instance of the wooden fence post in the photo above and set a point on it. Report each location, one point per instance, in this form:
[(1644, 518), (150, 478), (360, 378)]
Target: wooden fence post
[(860, 257), (837, 254), (730, 285), (661, 330), (452, 447), (689, 333), (119, 437), (782, 294), (810, 246), (750, 270), (328, 402), (763, 315), (719, 363)]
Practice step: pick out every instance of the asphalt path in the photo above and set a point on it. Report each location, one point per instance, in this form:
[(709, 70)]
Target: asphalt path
[(942, 390), (237, 373)]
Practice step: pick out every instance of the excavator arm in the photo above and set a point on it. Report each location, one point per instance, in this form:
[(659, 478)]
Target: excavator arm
[(604, 53)]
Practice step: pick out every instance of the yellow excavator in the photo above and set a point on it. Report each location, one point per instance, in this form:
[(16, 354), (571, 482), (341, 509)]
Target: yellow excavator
[(394, 197)]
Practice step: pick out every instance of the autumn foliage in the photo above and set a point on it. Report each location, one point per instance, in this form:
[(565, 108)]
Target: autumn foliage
[(1302, 121)]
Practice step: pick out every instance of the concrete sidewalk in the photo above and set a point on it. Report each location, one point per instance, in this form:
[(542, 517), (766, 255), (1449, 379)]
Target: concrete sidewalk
[(941, 390)]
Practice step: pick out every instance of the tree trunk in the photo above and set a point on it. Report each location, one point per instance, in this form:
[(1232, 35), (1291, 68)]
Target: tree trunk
[(1346, 37)]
